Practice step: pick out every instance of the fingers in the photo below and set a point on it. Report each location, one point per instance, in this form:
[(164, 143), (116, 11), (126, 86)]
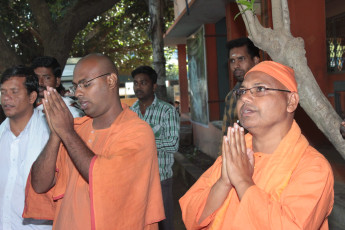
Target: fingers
[(55, 99), (250, 154)]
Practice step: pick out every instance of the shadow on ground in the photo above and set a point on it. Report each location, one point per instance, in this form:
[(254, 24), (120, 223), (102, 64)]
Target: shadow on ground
[(182, 182)]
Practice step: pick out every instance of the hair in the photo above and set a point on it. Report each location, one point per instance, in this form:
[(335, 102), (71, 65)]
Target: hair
[(53, 64), (252, 50), (146, 70), (31, 80), (48, 62)]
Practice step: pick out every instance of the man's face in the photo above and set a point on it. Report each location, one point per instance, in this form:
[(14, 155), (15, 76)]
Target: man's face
[(46, 78), (15, 100), (93, 97), (143, 86), (241, 62), (266, 112)]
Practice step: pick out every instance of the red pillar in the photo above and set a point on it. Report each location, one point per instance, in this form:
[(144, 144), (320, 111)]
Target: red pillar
[(235, 29), (182, 72)]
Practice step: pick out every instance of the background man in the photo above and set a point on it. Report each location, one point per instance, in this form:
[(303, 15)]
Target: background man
[(243, 55), (165, 123), (22, 137), (49, 72), (103, 171), (271, 178)]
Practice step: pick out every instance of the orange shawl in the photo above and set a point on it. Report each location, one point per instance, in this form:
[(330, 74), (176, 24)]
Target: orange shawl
[(124, 183), (277, 173)]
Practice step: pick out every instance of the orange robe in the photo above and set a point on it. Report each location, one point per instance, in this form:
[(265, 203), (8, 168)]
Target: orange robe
[(293, 190), (124, 189)]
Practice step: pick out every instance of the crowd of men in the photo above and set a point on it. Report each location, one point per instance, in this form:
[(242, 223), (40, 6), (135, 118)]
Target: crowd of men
[(96, 163)]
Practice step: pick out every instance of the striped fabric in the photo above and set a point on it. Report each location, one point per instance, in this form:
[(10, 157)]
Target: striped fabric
[(230, 115), (165, 123)]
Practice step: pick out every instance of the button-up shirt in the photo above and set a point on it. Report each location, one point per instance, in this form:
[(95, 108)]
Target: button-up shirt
[(165, 123), (14, 173)]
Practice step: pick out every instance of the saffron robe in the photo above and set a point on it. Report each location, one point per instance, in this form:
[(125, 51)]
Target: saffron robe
[(303, 197), (124, 189)]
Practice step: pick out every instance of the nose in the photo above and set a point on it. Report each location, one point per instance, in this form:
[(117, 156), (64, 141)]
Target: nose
[(247, 96), (78, 92), (40, 81), (5, 96)]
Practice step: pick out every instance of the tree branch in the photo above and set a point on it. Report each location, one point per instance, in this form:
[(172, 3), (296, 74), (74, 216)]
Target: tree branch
[(286, 15), (282, 47), (41, 13), (8, 55)]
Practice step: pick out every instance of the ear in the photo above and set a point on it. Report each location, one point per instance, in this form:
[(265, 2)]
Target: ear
[(154, 87), (113, 81), (256, 60), (292, 102), (58, 82), (32, 97)]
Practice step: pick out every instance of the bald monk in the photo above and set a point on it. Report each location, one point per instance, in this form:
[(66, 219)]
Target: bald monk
[(270, 178), (100, 172)]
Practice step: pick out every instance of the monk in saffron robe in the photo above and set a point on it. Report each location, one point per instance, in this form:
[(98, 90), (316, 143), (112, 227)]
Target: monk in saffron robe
[(100, 172), (270, 178)]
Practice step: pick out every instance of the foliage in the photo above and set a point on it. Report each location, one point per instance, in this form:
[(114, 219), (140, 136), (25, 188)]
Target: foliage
[(121, 33), (248, 3)]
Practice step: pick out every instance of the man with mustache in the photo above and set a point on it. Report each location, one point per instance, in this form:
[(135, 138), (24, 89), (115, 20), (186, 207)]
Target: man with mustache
[(165, 123), (23, 134), (243, 55), (99, 171), (49, 72), (270, 178)]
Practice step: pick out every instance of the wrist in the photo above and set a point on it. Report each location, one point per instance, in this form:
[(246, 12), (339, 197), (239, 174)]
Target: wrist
[(226, 185)]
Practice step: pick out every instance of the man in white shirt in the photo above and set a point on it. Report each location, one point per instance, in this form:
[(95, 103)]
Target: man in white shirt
[(49, 72), (23, 135)]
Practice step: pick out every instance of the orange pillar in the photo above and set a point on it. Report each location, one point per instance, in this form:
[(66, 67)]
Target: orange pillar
[(212, 71), (182, 73)]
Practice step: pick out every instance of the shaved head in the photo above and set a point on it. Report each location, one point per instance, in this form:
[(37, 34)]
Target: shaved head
[(103, 62)]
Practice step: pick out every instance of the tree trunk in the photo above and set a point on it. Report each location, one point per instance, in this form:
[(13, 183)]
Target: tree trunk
[(156, 35), (288, 50), (8, 56), (56, 37)]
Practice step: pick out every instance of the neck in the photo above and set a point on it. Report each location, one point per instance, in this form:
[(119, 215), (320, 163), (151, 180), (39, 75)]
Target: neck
[(18, 124), (268, 141), (106, 120), (146, 102)]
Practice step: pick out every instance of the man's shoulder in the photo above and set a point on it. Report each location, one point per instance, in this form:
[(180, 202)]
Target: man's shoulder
[(313, 158), (164, 105)]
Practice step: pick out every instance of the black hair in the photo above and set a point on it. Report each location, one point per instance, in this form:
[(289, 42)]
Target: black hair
[(48, 62), (52, 63), (146, 70), (31, 80), (252, 50)]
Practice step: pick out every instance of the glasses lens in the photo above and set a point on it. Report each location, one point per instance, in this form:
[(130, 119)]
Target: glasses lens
[(259, 91)]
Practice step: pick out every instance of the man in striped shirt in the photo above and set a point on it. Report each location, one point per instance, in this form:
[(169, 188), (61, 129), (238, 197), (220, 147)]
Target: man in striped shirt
[(165, 123), (243, 55)]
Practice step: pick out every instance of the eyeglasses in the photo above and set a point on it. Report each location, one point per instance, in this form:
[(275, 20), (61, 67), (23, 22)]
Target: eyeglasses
[(84, 84), (256, 91)]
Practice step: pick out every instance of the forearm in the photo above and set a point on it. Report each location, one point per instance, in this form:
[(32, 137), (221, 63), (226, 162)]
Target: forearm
[(79, 153), (43, 169), (215, 199)]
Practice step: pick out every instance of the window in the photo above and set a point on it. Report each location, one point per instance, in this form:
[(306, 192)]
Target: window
[(335, 32)]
